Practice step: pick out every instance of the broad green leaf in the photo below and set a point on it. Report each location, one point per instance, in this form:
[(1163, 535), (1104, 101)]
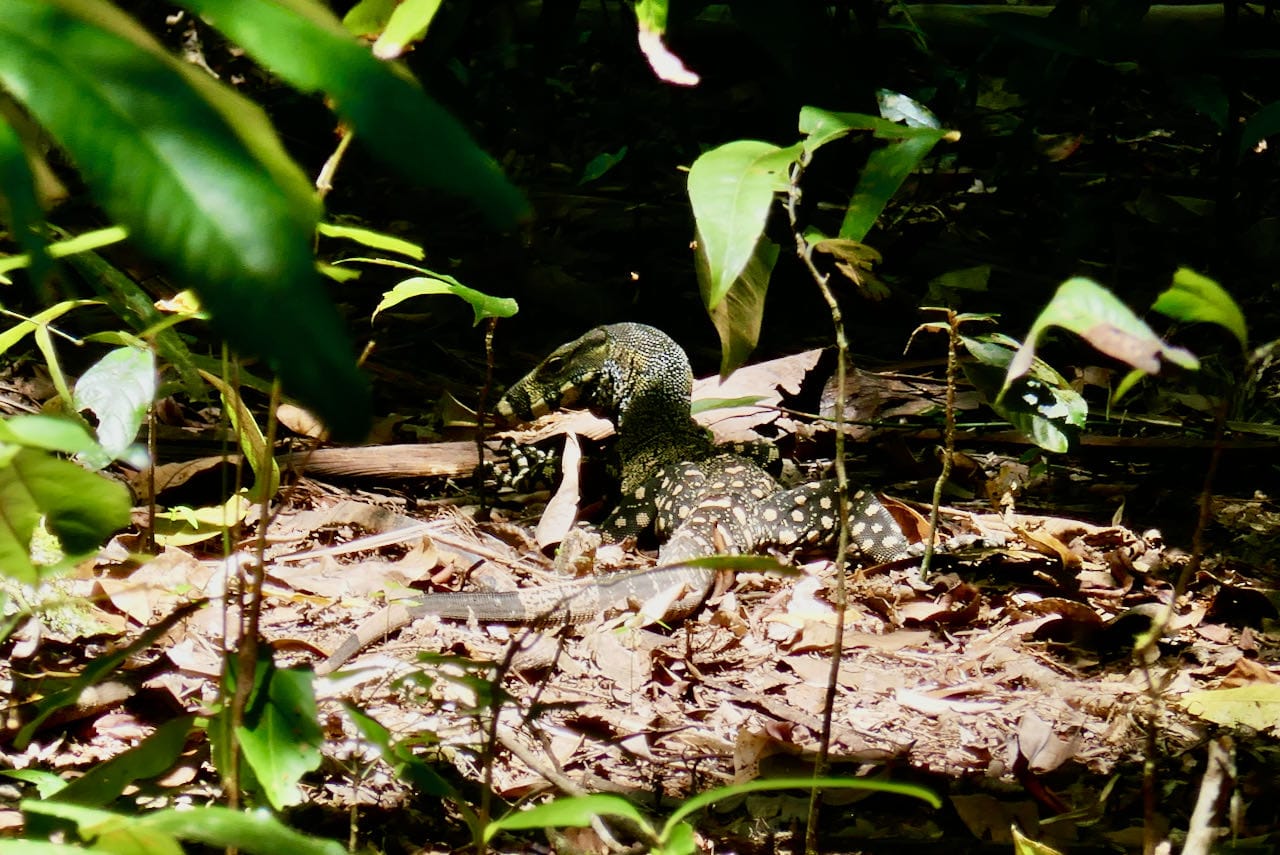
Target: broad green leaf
[(408, 24), (1041, 404), (152, 757), (303, 42), (19, 205), (1095, 314), (118, 389), (47, 432), (198, 176), (482, 305), (281, 736), (110, 833), (373, 240), (1195, 298), (738, 315), (82, 509), (732, 188)]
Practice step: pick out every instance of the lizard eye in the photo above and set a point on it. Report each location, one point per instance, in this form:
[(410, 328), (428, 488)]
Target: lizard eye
[(553, 364)]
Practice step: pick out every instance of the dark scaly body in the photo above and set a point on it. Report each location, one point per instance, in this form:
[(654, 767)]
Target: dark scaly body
[(696, 498)]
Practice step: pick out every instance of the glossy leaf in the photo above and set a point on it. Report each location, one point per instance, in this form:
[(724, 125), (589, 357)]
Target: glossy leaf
[(731, 189), (118, 389), (197, 174), (1041, 404), (303, 43)]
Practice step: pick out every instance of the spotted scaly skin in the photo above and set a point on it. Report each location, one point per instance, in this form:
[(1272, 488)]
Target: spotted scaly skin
[(697, 499), (639, 378)]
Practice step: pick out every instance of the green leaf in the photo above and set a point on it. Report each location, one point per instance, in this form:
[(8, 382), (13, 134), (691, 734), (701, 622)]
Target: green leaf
[(600, 164), (702, 800), (1095, 314), (46, 783), (255, 832), (823, 126), (19, 205), (731, 188), (118, 389), (153, 756), (281, 736), (19, 331), (48, 432), (408, 23), (82, 509), (1195, 298), (369, 17), (95, 239), (576, 812), (406, 765), (884, 173), (306, 45), (1042, 404), (482, 305), (373, 240), (738, 316), (200, 179)]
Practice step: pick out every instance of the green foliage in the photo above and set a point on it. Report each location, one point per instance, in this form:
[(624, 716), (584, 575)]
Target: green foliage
[(40, 490), (1040, 403), (676, 836), (198, 176), (163, 832), (280, 736), (118, 389), (732, 189)]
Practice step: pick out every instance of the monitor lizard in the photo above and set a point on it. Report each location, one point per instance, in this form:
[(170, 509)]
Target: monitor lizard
[(676, 482)]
